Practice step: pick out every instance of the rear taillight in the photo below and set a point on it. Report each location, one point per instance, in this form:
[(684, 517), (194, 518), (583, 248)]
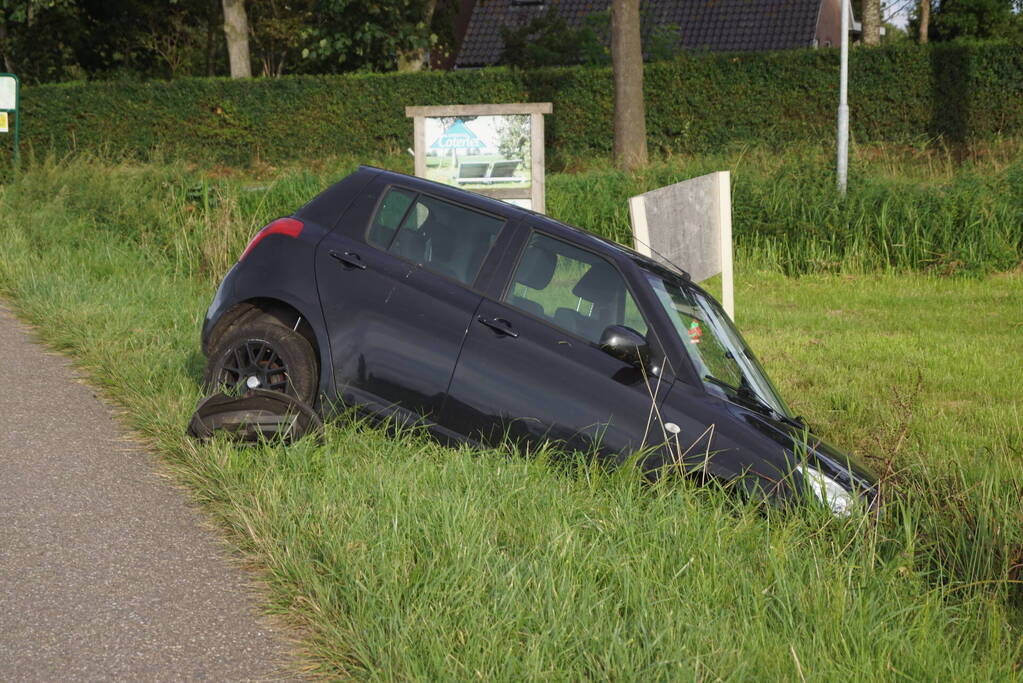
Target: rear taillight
[(291, 227)]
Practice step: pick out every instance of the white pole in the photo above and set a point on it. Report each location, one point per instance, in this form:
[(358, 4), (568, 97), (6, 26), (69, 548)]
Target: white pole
[(640, 229), (724, 179), (843, 103)]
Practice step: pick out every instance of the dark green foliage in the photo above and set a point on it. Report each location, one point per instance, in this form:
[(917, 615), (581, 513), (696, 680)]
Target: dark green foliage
[(695, 103), (62, 40), (952, 19), (547, 40), (33, 37), (345, 35)]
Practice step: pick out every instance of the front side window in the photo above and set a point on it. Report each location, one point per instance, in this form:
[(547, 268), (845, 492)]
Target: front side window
[(441, 237), (573, 289)]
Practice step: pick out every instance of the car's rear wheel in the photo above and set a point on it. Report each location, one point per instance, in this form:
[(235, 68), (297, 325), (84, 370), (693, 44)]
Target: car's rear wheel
[(262, 354)]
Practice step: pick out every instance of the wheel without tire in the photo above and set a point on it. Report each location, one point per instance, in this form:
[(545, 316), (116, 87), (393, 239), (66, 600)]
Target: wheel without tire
[(264, 355)]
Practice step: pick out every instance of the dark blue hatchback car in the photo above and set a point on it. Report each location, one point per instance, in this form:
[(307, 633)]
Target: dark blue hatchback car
[(427, 304)]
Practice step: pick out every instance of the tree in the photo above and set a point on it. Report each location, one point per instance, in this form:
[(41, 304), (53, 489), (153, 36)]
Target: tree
[(951, 19), (148, 38), (630, 152), (349, 35), (30, 36), (414, 58), (236, 31), (513, 136), (872, 22), (925, 20), (176, 44), (277, 29), (547, 40)]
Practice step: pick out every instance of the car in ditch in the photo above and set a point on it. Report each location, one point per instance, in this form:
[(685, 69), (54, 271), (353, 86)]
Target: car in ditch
[(424, 304)]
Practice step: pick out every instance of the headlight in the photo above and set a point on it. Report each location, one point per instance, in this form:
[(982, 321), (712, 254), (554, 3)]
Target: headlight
[(828, 491)]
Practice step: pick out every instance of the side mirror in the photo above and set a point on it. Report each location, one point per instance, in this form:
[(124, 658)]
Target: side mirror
[(625, 344)]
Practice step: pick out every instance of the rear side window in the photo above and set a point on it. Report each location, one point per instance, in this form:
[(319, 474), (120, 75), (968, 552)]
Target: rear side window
[(441, 237), (573, 289)]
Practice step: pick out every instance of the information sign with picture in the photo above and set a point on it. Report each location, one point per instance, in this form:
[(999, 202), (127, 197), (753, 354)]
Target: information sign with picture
[(10, 102), (493, 149)]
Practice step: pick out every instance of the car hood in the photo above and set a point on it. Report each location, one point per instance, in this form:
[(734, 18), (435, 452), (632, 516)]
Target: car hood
[(798, 445), (740, 441)]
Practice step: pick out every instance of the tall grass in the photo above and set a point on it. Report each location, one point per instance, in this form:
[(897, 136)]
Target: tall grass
[(908, 214), (906, 210), (401, 559)]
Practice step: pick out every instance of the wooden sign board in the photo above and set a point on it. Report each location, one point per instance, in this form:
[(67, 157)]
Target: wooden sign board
[(493, 149)]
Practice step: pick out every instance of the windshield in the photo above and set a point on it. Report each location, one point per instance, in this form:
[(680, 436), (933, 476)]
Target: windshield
[(718, 351)]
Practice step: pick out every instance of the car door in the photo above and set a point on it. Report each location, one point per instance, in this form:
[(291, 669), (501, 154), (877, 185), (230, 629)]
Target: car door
[(398, 299), (531, 367)]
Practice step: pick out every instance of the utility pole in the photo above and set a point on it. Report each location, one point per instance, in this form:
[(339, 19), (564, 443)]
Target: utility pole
[(843, 103)]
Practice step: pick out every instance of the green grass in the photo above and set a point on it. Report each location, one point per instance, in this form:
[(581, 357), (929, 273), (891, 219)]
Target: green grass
[(401, 559)]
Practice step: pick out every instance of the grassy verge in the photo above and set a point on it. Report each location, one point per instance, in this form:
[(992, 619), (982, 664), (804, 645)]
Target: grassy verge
[(402, 559)]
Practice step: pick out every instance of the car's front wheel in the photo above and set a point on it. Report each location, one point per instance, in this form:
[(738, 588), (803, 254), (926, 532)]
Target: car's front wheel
[(262, 354)]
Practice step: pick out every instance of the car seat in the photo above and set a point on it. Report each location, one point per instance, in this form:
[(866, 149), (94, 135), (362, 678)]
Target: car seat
[(441, 248), (410, 244), (535, 271), (570, 319), (602, 285)]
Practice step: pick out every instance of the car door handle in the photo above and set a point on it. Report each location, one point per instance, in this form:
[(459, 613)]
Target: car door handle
[(349, 258), (499, 325)]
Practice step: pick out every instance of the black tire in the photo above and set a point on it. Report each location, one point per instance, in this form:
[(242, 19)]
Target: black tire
[(268, 354)]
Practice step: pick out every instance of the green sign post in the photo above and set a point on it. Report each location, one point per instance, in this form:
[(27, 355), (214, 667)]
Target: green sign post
[(10, 103)]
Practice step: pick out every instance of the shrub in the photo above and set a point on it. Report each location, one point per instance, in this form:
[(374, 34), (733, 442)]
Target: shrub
[(697, 102)]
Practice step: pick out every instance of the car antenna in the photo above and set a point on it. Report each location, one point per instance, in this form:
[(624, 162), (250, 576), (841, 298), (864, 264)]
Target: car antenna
[(685, 273)]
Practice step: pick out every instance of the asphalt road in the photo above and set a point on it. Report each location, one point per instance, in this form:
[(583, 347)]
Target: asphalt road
[(106, 572)]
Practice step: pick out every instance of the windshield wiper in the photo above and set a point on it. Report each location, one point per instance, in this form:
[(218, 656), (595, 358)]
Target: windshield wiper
[(745, 393)]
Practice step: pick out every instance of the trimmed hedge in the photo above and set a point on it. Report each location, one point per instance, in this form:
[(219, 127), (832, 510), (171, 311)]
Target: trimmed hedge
[(695, 103)]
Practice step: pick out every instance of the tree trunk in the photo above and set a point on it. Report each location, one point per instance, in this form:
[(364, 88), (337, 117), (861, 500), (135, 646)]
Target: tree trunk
[(8, 63), (925, 20), (871, 22), (414, 60), (236, 30), (630, 151)]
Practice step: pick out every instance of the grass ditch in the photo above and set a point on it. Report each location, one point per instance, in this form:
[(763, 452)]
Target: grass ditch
[(403, 559)]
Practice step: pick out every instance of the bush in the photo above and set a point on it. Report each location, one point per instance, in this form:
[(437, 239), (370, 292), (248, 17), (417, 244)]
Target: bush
[(699, 102)]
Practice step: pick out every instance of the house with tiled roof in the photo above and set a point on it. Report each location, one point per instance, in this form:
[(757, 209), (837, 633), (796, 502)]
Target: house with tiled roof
[(705, 25)]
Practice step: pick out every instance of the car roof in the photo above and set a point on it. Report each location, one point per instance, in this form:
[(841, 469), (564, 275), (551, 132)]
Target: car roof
[(512, 211)]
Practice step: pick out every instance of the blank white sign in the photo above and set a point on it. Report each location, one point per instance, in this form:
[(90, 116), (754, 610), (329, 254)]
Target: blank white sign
[(689, 225), (8, 92)]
